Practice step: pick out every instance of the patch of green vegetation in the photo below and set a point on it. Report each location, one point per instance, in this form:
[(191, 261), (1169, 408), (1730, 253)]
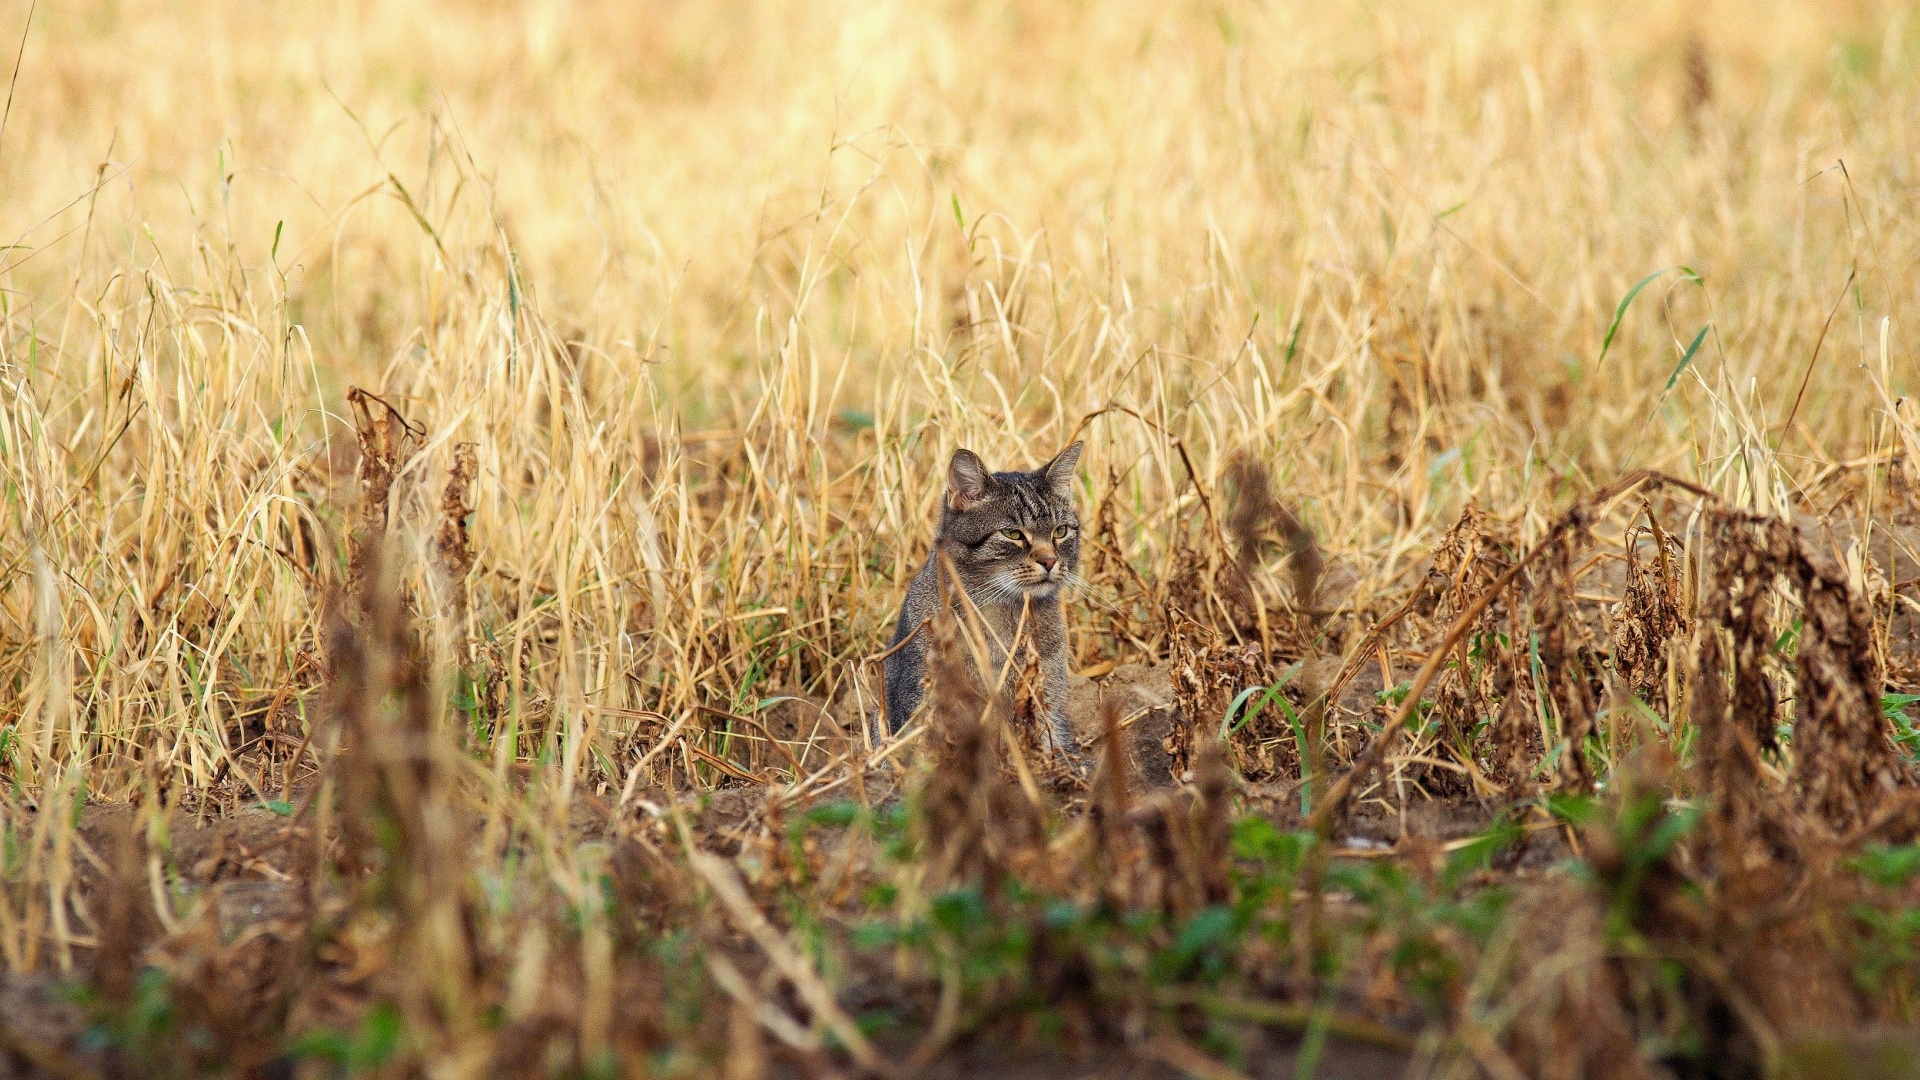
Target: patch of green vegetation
[(357, 1052)]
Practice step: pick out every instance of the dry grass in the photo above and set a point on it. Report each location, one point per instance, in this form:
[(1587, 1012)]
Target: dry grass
[(617, 352)]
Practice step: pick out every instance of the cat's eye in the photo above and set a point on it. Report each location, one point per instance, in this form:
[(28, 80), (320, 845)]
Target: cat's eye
[(1013, 534), (1060, 532)]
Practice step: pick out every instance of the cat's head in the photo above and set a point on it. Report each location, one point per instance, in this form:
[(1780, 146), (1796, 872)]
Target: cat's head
[(1011, 534)]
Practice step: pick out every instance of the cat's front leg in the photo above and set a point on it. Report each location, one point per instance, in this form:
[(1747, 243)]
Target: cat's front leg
[(1061, 726)]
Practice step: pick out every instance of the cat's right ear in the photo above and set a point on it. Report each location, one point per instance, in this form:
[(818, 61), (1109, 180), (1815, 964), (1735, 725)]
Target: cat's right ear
[(967, 481)]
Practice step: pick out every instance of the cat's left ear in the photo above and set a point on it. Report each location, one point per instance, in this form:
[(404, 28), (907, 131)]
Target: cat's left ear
[(1059, 471)]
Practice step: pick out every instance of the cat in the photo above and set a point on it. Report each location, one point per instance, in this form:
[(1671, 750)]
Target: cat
[(1014, 542)]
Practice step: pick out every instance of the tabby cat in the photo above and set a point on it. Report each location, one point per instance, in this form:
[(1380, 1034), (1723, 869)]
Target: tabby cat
[(1015, 542)]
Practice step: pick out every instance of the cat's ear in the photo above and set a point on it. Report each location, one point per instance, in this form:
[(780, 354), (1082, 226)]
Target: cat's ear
[(967, 481), (1059, 471)]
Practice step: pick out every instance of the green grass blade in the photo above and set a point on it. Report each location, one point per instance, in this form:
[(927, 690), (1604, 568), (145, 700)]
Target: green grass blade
[(1227, 726), (1687, 357), (1621, 311)]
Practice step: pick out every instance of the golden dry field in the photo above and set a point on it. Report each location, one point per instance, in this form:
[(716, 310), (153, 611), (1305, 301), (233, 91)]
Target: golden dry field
[(460, 464)]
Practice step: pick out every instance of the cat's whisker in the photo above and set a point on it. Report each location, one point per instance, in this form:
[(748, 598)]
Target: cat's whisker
[(1095, 593), (1000, 588)]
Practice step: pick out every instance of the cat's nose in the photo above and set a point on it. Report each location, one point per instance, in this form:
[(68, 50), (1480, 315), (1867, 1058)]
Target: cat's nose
[(1046, 559)]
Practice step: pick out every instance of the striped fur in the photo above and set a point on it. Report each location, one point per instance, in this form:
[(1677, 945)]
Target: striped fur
[(1014, 542)]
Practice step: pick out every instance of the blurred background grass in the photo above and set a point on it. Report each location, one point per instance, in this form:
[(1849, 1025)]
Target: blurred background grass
[(714, 287)]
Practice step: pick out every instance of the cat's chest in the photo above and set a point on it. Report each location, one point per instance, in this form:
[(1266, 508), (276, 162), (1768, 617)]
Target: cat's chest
[(1037, 625)]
